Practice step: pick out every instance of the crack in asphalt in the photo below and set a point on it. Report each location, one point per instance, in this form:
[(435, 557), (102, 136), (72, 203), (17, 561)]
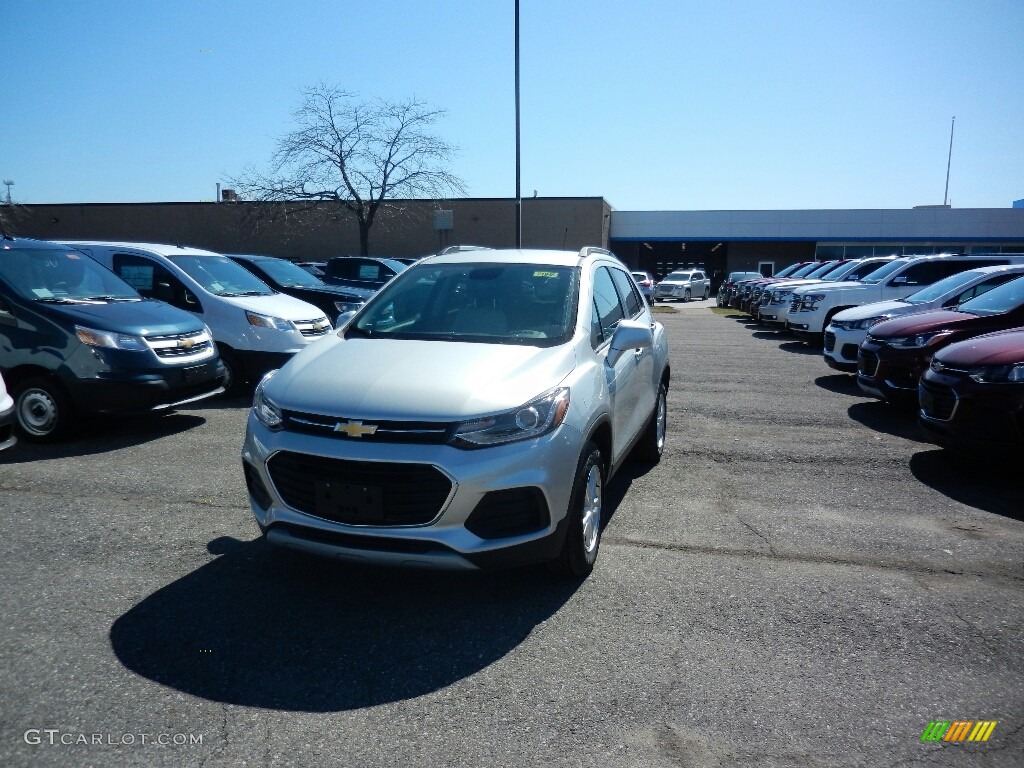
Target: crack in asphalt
[(863, 562), (757, 533)]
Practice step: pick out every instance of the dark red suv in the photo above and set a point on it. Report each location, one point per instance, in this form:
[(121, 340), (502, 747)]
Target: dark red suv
[(972, 395), (897, 352)]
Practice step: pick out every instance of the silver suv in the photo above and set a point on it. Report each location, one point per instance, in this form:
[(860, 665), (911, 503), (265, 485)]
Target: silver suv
[(467, 417), (683, 284)]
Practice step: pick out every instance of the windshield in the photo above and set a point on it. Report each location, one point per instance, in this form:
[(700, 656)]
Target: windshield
[(786, 272), (822, 269), (61, 276), (734, 276), (937, 290), (883, 272), (486, 303), (997, 301), (221, 276), (288, 274), (679, 277), (805, 270)]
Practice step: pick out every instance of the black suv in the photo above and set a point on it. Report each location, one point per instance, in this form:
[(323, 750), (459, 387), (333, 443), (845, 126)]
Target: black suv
[(364, 272), (291, 279)]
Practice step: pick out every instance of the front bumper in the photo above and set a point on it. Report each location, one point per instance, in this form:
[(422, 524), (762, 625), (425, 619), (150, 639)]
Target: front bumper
[(7, 438), (546, 464), (964, 415), (890, 374), (128, 390), (841, 347)]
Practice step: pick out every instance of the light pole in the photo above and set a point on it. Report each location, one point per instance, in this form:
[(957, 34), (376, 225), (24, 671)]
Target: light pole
[(9, 185), (949, 160), (519, 195)]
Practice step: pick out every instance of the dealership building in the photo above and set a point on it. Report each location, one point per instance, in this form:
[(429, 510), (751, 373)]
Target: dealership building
[(653, 241)]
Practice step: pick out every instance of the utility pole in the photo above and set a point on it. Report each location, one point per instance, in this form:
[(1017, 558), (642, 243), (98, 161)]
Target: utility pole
[(519, 194), (949, 160)]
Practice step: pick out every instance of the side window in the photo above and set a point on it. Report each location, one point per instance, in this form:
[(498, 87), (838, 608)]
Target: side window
[(926, 273), (341, 268), (983, 287), (596, 333), (606, 302), (627, 292), (154, 281)]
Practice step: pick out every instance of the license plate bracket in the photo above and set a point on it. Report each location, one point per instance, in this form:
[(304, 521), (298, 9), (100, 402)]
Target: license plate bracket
[(350, 502)]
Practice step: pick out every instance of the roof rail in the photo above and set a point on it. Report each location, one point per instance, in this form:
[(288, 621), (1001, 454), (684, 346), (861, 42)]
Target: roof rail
[(589, 249), (458, 248)]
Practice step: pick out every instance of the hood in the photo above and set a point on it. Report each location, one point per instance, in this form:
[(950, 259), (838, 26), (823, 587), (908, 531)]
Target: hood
[(921, 322), (138, 318), (276, 305), (828, 286), (394, 379), (875, 309), (1000, 348)]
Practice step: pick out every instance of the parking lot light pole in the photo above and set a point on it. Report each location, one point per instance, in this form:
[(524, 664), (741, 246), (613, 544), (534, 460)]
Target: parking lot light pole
[(519, 195)]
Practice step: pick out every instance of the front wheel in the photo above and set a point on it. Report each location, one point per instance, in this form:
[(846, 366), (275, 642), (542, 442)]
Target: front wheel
[(583, 538), (707, 292), (43, 410), (686, 295)]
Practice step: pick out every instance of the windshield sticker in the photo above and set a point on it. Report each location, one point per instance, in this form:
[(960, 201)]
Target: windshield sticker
[(546, 274), (42, 293)]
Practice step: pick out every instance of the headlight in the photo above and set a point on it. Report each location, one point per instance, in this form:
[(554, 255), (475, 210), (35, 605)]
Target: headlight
[(208, 331), (109, 339), (810, 301), (537, 417), (915, 342), (266, 321), (347, 306), (264, 408), (998, 374)]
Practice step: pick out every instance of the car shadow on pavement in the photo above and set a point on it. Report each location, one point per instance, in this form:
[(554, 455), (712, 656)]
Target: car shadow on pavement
[(841, 384), (889, 419), (799, 348), (264, 627), (96, 436), (992, 486)]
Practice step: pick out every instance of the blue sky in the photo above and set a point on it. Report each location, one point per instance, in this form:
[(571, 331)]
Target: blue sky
[(735, 104)]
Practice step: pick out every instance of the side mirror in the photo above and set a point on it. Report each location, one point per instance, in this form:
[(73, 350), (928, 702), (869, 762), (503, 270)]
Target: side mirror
[(6, 315), (629, 334), (191, 300), (343, 320)]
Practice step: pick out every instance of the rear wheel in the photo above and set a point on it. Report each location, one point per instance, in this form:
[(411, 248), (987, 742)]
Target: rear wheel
[(43, 410), (583, 538), (707, 292)]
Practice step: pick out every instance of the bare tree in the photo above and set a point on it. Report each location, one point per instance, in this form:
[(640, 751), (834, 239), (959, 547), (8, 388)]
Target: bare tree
[(357, 154)]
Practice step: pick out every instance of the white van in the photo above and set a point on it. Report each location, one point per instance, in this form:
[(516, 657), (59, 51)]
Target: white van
[(256, 328)]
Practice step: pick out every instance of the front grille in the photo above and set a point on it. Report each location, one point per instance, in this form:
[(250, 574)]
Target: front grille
[(937, 402), (255, 486), (181, 346), (830, 341), (320, 326), (511, 512), (867, 363), (420, 432), (359, 492)]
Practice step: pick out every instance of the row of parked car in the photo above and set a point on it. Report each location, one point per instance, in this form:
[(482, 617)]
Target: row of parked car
[(942, 333), (106, 327)]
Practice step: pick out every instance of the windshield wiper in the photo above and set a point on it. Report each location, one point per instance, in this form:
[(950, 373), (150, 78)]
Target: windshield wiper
[(245, 293), (57, 300), (110, 298)]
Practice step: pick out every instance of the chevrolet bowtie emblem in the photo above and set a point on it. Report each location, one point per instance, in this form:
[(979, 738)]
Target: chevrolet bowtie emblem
[(186, 343), (355, 428)]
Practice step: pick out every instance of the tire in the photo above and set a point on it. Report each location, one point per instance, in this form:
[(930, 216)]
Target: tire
[(707, 292), (234, 381), (686, 295), (583, 538), (652, 443), (42, 409)]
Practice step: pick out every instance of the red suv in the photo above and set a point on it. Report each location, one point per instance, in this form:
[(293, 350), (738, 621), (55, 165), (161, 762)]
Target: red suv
[(897, 352), (972, 395)]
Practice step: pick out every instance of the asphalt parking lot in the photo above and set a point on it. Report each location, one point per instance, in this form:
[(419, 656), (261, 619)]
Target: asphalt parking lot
[(802, 581)]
